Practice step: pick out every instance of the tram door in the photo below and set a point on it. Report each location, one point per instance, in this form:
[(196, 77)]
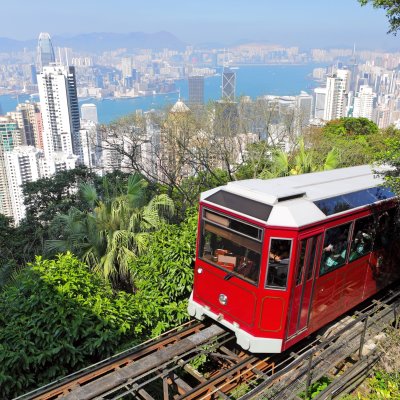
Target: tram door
[(304, 277)]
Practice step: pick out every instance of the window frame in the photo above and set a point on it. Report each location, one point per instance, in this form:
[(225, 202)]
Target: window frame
[(259, 240), (278, 288), (260, 237), (349, 240), (371, 216)]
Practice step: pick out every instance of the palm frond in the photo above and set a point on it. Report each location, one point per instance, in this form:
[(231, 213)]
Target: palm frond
[(332, 160), (89, 193)]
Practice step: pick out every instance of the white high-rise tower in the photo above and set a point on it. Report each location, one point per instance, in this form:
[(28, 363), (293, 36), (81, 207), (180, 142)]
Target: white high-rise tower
[(336, 95), (363, 102), (60, 111)]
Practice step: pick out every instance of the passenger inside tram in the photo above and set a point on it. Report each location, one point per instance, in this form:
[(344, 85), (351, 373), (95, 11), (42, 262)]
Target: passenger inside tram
[(335, 248), (278, 265)]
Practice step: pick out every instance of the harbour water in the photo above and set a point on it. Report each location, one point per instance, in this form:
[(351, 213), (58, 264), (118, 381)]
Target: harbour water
[(253, 81)]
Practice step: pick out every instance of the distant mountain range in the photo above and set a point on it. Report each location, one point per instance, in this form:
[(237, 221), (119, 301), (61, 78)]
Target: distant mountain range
[(99, 42)]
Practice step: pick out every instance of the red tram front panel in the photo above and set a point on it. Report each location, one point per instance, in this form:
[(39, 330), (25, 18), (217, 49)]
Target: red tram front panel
[(230, 282)]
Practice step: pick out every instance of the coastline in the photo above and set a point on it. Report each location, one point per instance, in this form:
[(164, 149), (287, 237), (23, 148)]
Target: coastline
[(253, 80)]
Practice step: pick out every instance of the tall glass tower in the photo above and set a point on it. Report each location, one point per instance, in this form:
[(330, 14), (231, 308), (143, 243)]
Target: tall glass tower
[(196, 89), (228, 84), (45, 51)]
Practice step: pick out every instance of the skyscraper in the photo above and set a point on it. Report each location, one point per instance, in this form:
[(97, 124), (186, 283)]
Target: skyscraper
[(363, 102), (336, 95), (319, 103), (304, 103), (29, 120), (22, 165), (228, 84), (196, 90), (45, 51), (9, 138), (60, 111)]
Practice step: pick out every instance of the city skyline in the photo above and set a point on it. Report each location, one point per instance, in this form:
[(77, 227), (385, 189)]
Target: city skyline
[(305, 24)]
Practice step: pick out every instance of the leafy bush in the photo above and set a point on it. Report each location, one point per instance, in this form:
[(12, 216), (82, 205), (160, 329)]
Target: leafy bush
[(316, 388), (164, 274), (56, 318)]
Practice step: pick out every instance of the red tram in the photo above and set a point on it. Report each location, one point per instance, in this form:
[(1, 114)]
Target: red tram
[(278, 259)]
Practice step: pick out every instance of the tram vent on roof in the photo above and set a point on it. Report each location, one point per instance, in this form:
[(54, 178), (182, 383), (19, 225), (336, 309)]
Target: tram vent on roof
[(240, 204), (292, 196)]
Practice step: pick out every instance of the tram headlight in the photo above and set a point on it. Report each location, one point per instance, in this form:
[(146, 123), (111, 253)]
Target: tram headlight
[(223, 299)]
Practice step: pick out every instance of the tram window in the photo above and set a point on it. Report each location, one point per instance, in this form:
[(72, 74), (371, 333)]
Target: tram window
[(278, 264), (335, 248), (363, 237), (384, 229), (236, 254), (333, 205), (234, 224), (300, 262), (311, 257)]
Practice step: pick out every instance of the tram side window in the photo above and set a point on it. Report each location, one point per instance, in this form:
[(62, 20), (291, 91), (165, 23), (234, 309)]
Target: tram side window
[(335, 248), (385, 226), (278, 264), (363, 237)]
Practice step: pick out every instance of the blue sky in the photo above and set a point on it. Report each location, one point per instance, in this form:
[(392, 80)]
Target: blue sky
[(304, 23)]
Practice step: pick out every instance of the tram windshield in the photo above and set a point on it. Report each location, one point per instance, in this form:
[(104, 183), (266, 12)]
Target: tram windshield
[(232, 245)]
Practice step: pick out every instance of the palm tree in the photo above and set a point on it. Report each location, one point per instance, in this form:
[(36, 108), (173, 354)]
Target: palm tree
[(115, 230), (301, 163)]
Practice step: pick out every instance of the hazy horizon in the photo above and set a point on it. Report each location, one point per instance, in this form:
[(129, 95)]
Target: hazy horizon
[(312, 23)]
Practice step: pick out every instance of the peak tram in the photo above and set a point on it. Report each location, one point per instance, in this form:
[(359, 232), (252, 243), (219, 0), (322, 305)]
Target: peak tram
[(277, 259)]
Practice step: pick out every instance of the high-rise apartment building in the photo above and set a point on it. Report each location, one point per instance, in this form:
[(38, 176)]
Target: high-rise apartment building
[(29, 121), (91, 144), (304, 103), (60, 111), (196, 89), (228, 84), (364, 102), (21, 165), (336, 95), (9, 138), (319, 102), (45, 51), (126, 67)]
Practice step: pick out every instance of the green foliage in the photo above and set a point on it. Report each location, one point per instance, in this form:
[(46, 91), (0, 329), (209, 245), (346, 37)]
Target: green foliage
[(381, 385), (14, 249), (114, 230), (316, 388), (56, 318), (356, 140), (164, 274), (47, 197), (392, 8), (391, 157), (349, 126), (300, 161)]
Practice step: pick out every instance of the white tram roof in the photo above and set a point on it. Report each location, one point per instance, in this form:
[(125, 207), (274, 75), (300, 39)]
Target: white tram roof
[(298, 200)]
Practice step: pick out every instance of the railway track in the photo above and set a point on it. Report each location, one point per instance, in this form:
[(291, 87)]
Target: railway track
[(165, 367)]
